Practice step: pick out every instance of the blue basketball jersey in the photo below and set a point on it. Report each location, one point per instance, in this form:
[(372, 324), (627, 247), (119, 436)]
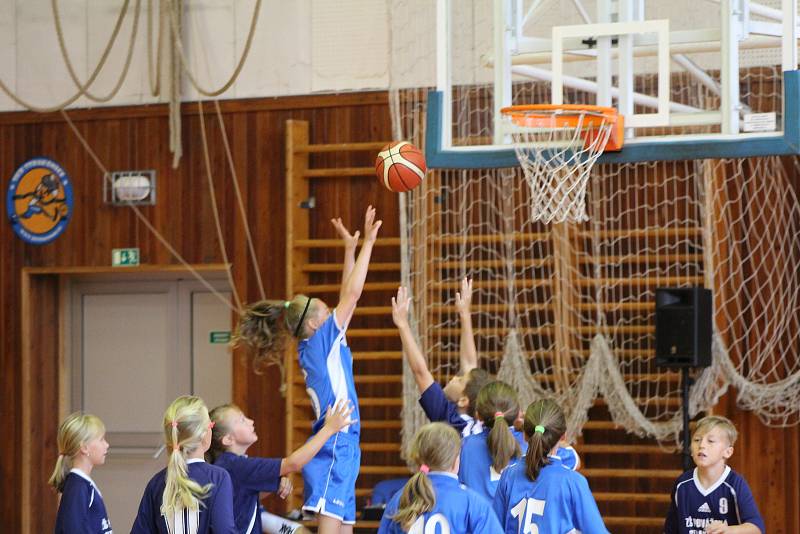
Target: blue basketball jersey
[(439, 409), (569, 457), (249, 476), (81, 508), (327, 365), (557, 502), (215, 514), (693, 507), (475, 467), (458, 510)]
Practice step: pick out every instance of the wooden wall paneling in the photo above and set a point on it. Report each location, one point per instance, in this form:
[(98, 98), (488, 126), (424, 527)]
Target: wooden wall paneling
[(40, 393)]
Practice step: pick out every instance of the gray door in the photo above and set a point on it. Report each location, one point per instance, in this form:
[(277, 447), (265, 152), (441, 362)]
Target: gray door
[(135, 346)]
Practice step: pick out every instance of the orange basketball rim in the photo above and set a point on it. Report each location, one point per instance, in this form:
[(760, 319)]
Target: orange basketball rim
[(590, 119)]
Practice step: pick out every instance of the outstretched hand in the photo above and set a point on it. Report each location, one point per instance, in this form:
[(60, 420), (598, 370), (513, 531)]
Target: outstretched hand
[(464, 297), (400, 305), (338, 416), (350, 241), (371, 226)]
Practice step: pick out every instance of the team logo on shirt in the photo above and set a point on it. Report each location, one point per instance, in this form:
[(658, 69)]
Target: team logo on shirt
[(705, 508), (39, 201)]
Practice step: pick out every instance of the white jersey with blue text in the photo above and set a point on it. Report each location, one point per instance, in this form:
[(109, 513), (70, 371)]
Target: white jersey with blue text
[(458, 510), (557, 502), (327, 365)]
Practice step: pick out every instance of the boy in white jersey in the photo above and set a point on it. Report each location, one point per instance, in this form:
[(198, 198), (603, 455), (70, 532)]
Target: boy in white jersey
[(712, 498)]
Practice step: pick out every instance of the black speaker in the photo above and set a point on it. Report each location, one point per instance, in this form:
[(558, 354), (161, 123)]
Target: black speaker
[(683, 327)]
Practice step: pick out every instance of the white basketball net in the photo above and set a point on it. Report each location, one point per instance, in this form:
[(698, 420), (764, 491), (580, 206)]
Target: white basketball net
[(557, 161)]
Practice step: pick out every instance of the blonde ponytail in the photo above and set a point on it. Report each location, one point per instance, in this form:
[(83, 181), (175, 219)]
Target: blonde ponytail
[(435, 447), (498, 407), (417, 498), (185, 423), (265, 326), (73, 432)]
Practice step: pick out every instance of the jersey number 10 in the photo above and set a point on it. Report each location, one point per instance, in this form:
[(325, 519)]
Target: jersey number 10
[(524, 512), (421, 526)]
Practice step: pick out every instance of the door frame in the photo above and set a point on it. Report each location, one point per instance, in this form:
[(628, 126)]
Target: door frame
[(44, 377)]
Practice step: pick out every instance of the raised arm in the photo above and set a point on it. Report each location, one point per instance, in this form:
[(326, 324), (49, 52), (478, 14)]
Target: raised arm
[(354, 283), (336, 418), (416, 361), (467, 350), (350, 244)]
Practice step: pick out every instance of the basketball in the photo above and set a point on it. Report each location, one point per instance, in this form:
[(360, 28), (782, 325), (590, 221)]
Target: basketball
[(400, 166)]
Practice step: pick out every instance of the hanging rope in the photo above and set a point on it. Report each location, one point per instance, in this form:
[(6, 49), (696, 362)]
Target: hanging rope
[(143, 219), (175, 145), (240, 202), (214, 208), (65, 54), (81, 90), (174, 18), (154, 78)]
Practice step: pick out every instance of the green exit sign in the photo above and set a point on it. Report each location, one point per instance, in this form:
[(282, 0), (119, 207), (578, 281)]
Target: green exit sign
[(124, 257), (219, 337)]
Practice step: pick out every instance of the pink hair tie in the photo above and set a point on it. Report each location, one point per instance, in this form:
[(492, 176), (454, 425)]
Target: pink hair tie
[(499, 414), (174, 424), (424, 469)]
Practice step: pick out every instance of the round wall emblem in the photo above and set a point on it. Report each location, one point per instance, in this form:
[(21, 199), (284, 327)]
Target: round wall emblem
[(39, 201)]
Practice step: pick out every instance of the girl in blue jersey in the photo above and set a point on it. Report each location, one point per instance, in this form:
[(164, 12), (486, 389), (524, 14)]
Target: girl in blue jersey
[(484, 456), (188, 496), (433, 500), (329, 479), (82, 445), (234, 433), (539, 494), (455, 403)]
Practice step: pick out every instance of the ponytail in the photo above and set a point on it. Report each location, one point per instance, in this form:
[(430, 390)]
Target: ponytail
[(544, 426), (417, 498), (498, 407), (73, 432), (265, 326), (435, 447), (219, 416), (185, 422)]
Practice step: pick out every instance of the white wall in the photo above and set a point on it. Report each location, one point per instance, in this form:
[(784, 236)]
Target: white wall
[(300, 47)]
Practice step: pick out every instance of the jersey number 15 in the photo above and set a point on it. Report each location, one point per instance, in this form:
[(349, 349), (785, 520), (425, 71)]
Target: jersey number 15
[(524, 512)]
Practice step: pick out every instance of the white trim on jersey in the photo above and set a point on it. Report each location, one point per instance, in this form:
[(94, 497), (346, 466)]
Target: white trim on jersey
[(677, 489), (705, 492), (336, 372), (252, 519), (735, 502), (88, 479), (473, 426)]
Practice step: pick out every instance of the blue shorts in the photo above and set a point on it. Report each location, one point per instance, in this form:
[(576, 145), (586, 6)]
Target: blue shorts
[(329, 479)]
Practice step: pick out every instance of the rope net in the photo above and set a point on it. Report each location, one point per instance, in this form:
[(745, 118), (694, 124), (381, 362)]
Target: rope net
[(566, 310), (556, 158)]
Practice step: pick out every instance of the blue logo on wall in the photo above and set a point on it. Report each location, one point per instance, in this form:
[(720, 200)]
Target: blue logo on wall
[(39, 201)]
